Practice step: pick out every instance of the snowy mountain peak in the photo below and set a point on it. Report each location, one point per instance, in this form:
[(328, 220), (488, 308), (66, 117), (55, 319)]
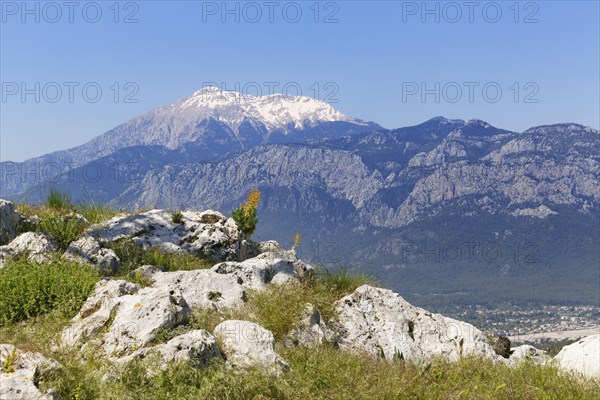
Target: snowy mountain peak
[(274, 111)]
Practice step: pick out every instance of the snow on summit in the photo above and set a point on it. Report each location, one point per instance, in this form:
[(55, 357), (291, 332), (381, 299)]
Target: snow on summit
[(217, 120), (275, 111)]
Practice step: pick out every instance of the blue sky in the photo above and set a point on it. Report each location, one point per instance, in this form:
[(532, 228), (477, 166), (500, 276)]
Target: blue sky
[(372, 63)]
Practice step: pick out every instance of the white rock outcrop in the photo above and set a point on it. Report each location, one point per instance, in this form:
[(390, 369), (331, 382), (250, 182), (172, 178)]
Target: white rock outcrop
[(197, 346), (310, 330), (38, 246), (278, 267), (581, 358), (88, 250), (10, 219), (98, 311), (208, 233), (527, 353), (20, 381), (385, 325), (246, 344)]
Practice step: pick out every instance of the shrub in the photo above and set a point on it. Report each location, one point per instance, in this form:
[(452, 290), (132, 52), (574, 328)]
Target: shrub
[(177, 217), (64, 229), (29, 288), (245, 215)]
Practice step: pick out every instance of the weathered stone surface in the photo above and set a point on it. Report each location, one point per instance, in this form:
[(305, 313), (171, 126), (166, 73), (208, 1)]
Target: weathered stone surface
[(202, 288), (10, 219), (311, 330), (527, 353), (87, 249), (383, 324), (582, 357), (140, 316), (97, 311), (246, 344), (207, 233), (197, 346), (20, 382), (37, 245), (125, 317), (279, 267)]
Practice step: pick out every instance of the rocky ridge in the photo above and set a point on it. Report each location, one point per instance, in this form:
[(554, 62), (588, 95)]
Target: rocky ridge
[(121, 320)]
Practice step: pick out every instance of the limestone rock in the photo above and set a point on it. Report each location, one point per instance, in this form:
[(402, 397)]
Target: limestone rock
[(582, 357), (197, 346), (89, 250), (9, 221), (21, 381), (246, 344), (97, 311), (383, 324), (311, 330), (527, 353), (207, 233), (37, 245)]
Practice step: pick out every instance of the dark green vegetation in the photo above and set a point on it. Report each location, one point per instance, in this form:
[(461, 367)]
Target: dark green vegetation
[(29, 288)]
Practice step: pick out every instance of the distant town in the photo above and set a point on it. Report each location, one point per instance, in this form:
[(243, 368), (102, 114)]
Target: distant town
[(534, 324)]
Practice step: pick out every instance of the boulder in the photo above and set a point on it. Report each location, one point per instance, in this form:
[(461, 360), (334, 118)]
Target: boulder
[(125, 317), (37, 245), (279, 267), (202, 288), (98, 311), (207, 233), (20, 380), (10, 219), (88, 250), (581, 358), (246, 344), (527, 353), (383, 324), (311, 330), (197, 346), (140, 316)]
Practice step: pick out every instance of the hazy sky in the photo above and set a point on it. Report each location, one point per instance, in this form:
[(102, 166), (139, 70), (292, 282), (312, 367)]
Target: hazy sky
[(371, 59)]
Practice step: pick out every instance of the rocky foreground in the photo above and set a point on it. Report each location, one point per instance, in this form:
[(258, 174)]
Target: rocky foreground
[(122, 321)]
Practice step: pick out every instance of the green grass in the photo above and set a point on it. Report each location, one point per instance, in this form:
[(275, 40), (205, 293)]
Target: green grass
[(29, 288), (280, 306), (319, 373), (58, 201), (96, 213), (133, 256)]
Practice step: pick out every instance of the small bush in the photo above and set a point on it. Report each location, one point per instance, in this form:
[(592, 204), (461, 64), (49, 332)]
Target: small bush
[(64, 229), (245, 216), (177, 217), (29, 288)]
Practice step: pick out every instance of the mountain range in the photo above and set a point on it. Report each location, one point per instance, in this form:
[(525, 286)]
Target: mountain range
[(445, 212)]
